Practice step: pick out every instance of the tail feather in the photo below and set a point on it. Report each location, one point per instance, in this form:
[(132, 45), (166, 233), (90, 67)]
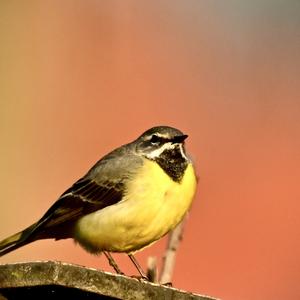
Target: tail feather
[(17, 240)]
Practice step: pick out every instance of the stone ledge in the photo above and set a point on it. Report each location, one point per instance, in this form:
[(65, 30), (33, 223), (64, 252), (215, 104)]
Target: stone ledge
[(51, 279)]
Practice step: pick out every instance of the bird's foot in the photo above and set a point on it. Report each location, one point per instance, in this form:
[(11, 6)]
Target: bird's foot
[(140, 278), (168, 284)]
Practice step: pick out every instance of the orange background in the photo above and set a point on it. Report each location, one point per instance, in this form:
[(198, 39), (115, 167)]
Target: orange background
[(79, 78)]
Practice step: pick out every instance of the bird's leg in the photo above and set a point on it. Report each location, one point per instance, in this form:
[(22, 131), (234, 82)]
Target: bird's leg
[(138, 267), (112, 262)]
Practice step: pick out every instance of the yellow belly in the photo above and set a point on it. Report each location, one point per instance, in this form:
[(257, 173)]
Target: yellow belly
[(152, 205)]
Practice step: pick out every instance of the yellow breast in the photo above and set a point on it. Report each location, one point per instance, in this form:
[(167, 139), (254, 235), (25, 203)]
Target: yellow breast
[(153, 204)]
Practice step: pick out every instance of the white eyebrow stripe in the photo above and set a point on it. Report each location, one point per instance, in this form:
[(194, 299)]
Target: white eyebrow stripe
[(164, 136)]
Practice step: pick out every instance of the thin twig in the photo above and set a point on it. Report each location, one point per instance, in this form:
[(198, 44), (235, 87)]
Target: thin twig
[(152, 269), (174, 238)]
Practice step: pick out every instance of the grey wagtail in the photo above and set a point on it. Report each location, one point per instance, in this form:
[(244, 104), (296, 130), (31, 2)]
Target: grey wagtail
[(129, 199)]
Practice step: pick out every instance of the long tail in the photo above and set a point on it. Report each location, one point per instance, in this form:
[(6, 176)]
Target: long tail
[(17, 240)]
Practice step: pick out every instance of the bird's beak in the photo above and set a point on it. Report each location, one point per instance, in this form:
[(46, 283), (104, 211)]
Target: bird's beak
[(179, 139)]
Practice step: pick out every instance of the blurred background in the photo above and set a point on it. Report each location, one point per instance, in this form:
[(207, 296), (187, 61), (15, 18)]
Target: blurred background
[(79, 78)]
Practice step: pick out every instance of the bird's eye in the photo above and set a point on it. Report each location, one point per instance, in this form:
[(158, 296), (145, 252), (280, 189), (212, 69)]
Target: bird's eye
[(155, 140)]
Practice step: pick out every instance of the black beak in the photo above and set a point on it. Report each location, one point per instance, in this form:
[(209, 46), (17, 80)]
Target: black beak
[(179, 139)]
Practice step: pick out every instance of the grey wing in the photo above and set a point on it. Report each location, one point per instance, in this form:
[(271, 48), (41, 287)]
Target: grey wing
[(102, 186)]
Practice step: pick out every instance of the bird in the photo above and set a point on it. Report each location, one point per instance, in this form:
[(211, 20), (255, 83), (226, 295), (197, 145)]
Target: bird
[(128, 200)]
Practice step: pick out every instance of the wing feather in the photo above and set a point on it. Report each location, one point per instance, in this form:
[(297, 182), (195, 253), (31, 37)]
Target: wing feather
[(102, 186), (84, 197)]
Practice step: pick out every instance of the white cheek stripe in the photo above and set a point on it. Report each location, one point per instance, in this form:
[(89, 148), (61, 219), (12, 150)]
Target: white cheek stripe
[(159, 151), (182, 152)]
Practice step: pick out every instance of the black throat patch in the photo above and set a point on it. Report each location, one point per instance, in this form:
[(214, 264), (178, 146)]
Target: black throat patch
[(172, 162)]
